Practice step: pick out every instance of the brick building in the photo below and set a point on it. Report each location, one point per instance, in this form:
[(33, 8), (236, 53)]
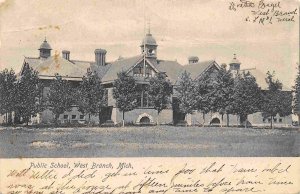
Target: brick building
[(141, 67)]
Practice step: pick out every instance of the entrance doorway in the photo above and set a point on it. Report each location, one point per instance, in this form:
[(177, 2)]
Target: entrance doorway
[(144, 120), (215, 121)]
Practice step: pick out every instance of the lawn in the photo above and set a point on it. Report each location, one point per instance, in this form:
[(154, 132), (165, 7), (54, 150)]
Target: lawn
[(156, 141)]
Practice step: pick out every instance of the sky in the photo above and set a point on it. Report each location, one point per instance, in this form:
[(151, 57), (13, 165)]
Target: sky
[(182, 28)]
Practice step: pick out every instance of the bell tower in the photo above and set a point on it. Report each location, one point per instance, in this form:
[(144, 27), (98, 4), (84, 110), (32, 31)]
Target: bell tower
[(149, 46)]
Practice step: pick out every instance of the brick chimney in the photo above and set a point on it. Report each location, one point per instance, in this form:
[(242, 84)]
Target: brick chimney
[(100, 55), (66, 54)]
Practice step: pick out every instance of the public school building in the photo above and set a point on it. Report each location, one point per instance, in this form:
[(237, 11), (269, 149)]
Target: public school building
[(73, 70)]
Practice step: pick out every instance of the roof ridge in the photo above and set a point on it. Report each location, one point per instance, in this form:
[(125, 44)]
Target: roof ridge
[(124, 58), (77, 60), (166, 60), (206, 61), (31, 57)]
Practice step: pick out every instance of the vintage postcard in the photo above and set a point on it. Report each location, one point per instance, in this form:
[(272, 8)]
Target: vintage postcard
[(169, 96)]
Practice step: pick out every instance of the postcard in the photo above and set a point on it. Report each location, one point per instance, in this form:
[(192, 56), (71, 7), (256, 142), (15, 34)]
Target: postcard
[(171, 96)]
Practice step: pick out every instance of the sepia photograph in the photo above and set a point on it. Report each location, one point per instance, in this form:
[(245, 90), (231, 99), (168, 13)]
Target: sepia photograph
[(145, 97), (154, 78)]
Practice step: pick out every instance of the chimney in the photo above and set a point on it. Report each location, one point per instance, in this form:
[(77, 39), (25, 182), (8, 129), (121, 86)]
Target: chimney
[(66, 55), (100, 56), (193, 59)]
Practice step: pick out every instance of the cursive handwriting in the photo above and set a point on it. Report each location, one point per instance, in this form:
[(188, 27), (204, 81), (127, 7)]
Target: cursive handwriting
[(264, 12), (91, 177)]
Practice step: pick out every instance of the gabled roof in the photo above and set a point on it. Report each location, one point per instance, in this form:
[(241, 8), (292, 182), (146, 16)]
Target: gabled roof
[(119, 66), (172, 69), (196, 69)]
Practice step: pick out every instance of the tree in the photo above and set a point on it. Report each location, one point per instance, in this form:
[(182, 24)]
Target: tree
[(186, 94), (159, 92), (60, 98), (91, 96), (203, 88), (286, 103), (28, 95), (7, 92), (275, 100), (125, 94), (222, 93), (247, 96), (297, 95), (214, 93)]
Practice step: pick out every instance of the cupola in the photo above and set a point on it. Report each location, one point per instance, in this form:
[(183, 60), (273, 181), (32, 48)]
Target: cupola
[(235, 64), (149, 46), (45, 49)]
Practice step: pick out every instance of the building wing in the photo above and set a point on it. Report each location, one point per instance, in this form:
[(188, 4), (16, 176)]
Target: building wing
[(53, 65)]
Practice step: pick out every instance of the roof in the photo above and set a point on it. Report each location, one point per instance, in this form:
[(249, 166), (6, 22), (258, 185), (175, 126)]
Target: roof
[(73, 69), (45, 45), (55, 64), (261, 79), (172, 69), (119, 66), (83, 64), (196, 69), (100, 70), (149, 40)]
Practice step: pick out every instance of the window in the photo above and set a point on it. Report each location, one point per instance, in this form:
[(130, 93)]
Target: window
[(66, 116), (148, 71), (139, 70), (264, 120), (275, 120), (143, 97), (269, 120), (280, 120), (151, 52), (81, 117), (139, 99), (73, 116)]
